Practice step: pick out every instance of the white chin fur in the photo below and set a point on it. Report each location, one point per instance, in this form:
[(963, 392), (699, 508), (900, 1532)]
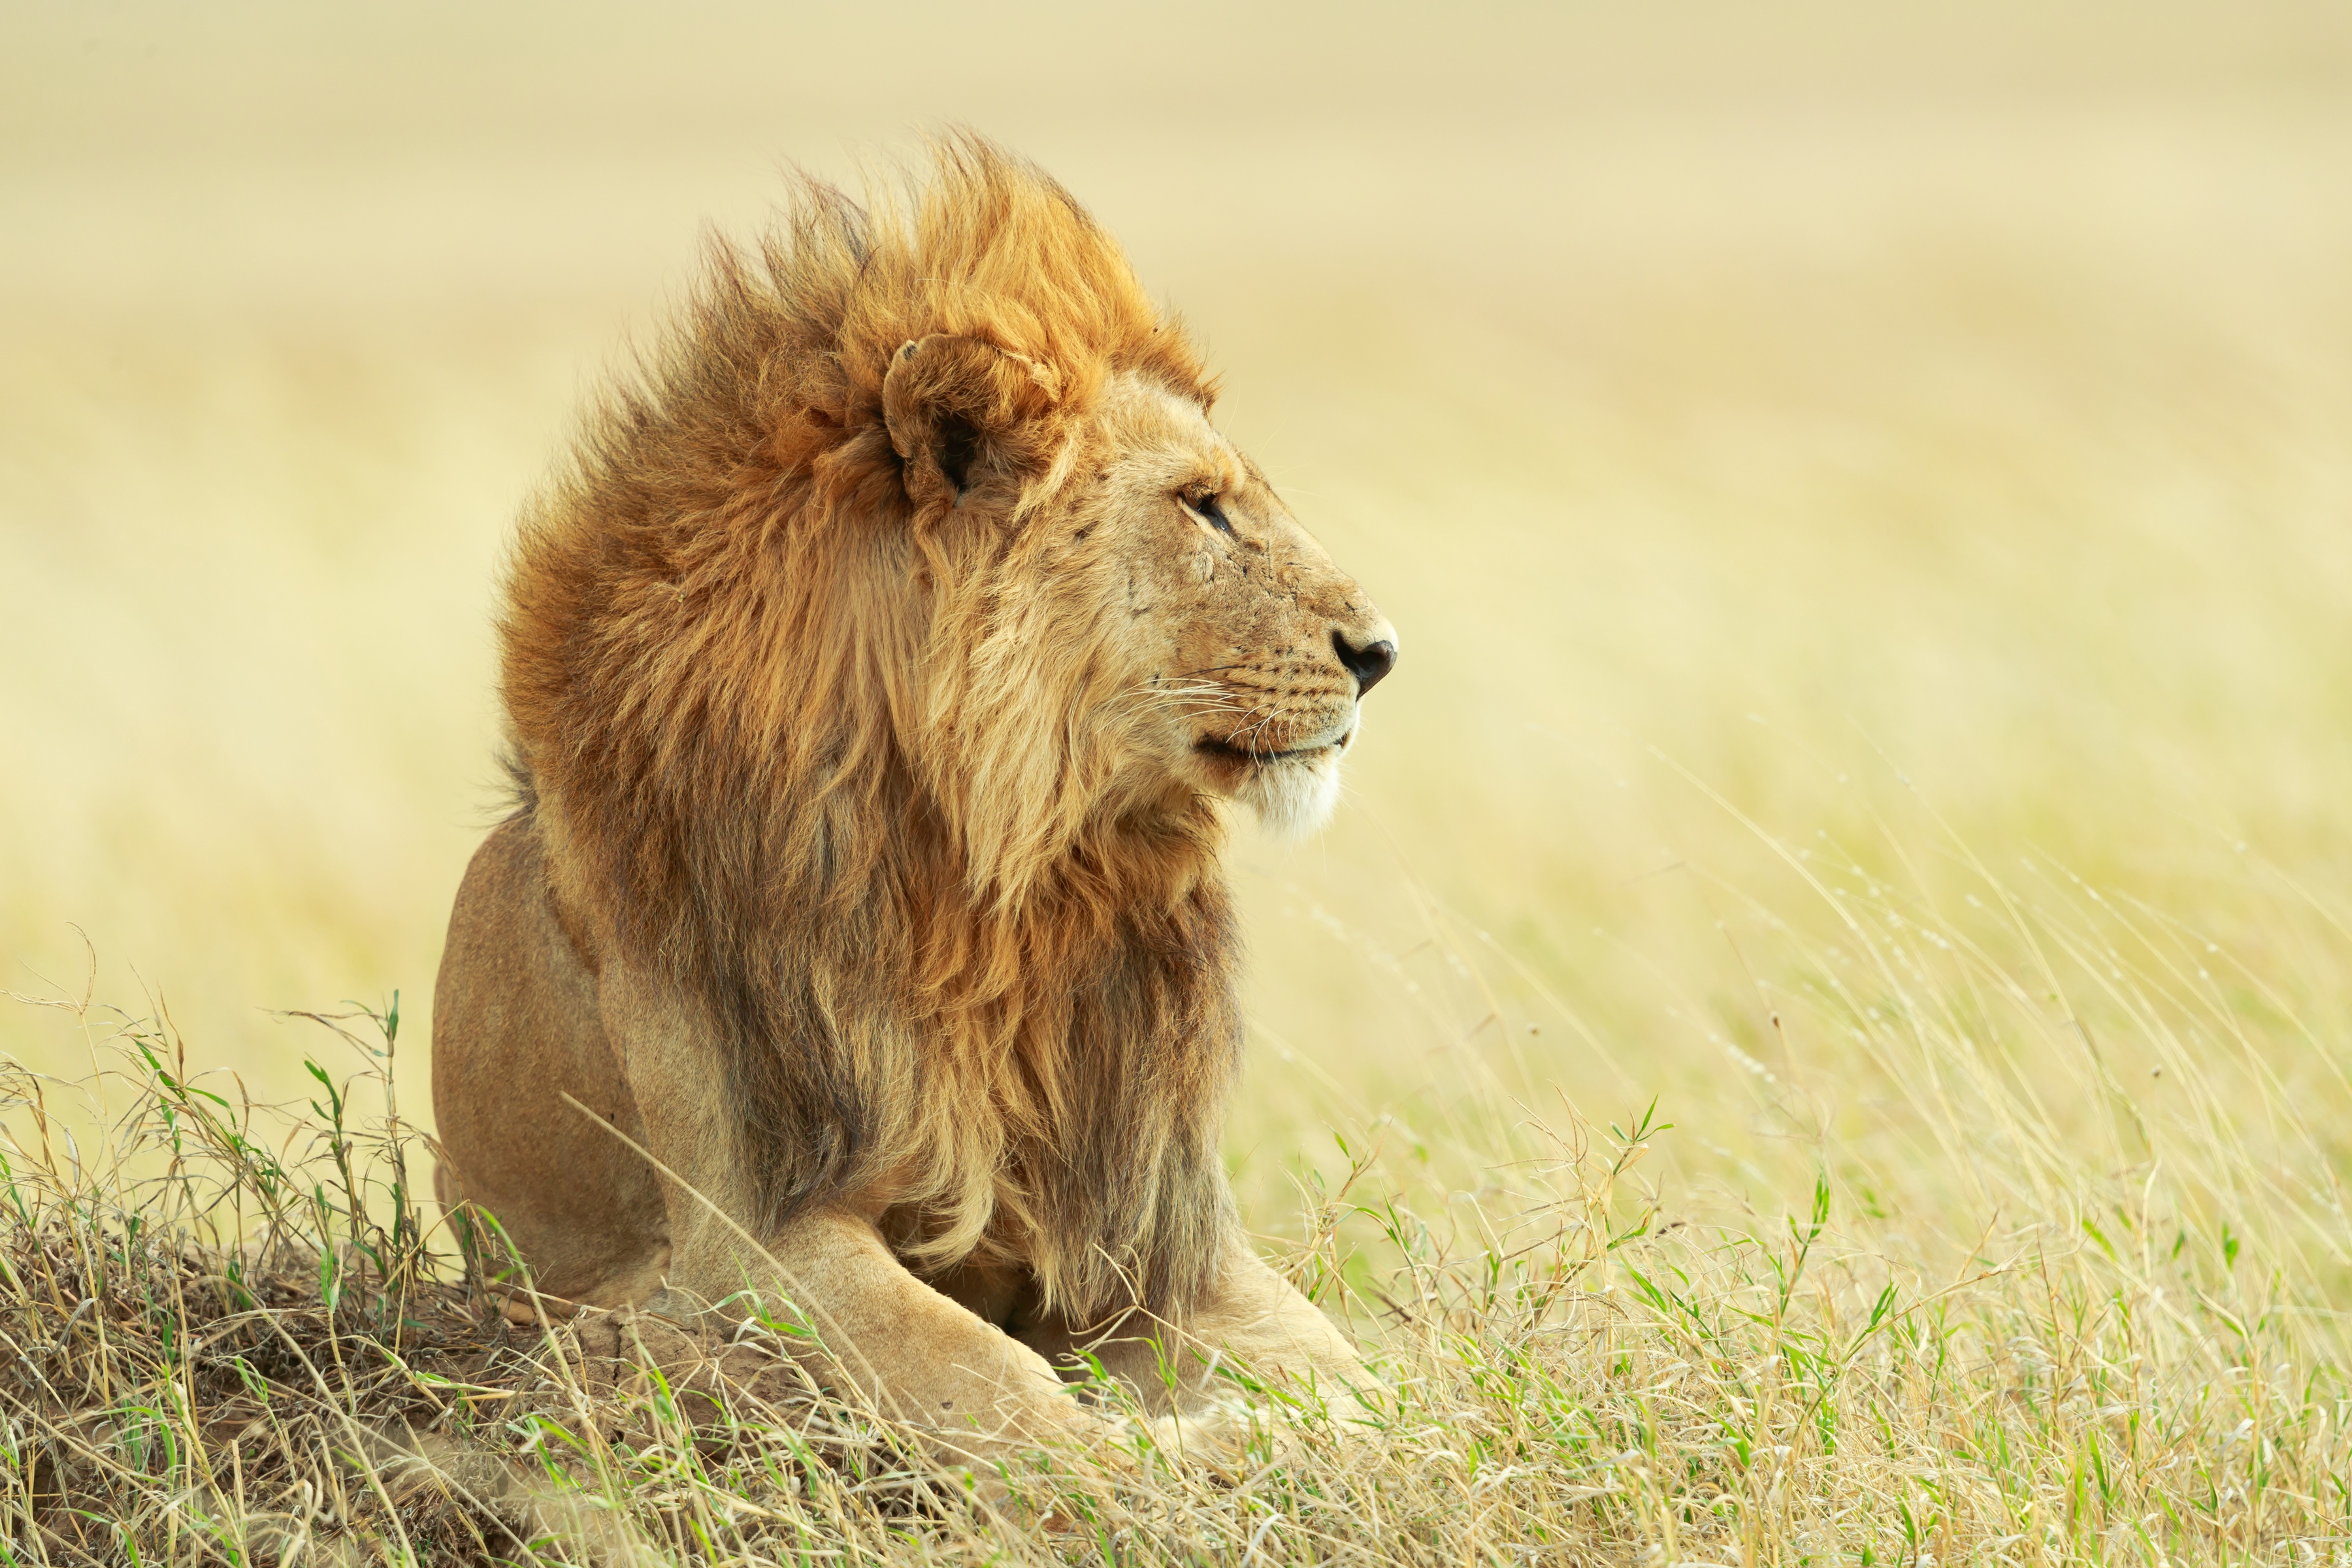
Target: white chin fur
[(1294, 799)]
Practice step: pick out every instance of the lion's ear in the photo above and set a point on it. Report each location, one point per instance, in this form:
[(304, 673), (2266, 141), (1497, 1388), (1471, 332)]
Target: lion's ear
[(953, 403)]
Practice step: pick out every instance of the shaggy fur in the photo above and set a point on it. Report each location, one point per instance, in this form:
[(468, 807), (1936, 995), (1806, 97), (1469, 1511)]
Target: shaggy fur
[(825, 712)]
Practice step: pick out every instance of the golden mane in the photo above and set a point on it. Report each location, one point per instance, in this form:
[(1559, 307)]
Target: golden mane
[(789, 738)]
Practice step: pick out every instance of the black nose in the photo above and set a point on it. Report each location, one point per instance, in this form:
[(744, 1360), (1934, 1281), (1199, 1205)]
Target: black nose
[(1367, 664)]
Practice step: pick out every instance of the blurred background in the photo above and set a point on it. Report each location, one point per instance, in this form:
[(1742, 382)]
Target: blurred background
[(1807, 450)]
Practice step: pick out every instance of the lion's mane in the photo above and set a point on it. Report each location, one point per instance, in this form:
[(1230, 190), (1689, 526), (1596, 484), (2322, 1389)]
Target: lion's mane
[(794, 741)]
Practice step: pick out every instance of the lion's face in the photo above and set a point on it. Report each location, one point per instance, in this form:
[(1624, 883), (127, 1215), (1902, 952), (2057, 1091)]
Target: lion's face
[(1232, 654)]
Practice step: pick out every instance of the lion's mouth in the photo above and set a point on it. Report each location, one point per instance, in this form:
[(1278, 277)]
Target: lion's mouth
[(1247, 756)]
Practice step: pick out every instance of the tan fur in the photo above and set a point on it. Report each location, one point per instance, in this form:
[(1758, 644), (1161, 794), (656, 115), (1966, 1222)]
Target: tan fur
[(874, 672)]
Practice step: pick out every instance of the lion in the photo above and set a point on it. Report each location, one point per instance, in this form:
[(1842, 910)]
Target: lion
[(876, 674)]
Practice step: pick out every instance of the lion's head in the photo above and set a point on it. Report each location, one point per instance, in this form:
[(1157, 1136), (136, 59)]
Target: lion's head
[(1132, 611)]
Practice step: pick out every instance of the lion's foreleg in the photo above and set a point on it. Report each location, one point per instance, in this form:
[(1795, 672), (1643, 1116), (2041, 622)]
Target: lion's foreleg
[(865, 1327), (873, 1333)]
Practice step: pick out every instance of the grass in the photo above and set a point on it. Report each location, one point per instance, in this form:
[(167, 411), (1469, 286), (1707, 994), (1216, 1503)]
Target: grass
[(2022, 1312), (1819, 1032)]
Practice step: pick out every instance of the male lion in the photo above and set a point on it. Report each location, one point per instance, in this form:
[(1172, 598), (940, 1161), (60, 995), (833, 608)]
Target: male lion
[(874, 671)]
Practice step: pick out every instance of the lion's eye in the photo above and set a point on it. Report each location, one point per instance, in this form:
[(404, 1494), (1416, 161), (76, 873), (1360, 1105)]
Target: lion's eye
[(1206, 509)]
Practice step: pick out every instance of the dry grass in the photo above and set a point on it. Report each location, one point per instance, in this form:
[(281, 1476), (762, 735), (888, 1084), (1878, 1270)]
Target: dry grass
[(1864, 494), (233, 1338)]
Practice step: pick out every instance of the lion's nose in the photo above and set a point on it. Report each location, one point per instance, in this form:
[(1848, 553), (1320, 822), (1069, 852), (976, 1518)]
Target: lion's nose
[(1368, 663)]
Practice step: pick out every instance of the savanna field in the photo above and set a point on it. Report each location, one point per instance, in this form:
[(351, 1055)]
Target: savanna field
[(1822, 1031)]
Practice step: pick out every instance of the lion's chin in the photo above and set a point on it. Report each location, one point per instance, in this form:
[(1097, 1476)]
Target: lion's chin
[(1294, 797)]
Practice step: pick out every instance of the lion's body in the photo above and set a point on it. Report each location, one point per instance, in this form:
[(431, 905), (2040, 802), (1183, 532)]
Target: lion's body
[(865, 873)]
